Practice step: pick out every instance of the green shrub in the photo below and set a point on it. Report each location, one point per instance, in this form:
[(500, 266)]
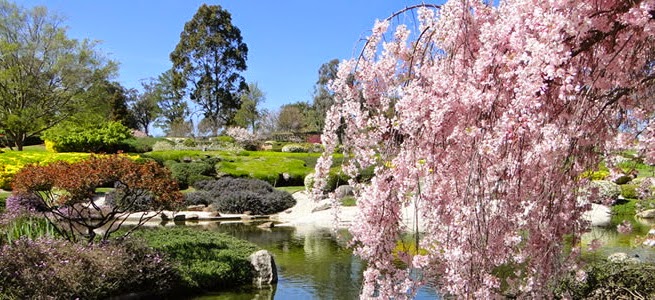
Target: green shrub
[(56, 269), (206, 260), (143, 145), (3, 200), (108, 137), (163, 145), (294, 148), (188, 173), (189, 143), (611, 280), (30, 227), (596, 175), (629, 191), (237, 195), (224, 139)]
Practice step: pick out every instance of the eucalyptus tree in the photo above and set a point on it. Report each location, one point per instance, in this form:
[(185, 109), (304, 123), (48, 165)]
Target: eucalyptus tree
[(207, 63)]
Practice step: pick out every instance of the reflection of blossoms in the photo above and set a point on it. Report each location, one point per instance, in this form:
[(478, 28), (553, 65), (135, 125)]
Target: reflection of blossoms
[(581, 276), (595, 244), (625, 227), (646, 188)]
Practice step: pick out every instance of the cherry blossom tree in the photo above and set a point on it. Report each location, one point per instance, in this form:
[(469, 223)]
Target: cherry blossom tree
[(484, 116)]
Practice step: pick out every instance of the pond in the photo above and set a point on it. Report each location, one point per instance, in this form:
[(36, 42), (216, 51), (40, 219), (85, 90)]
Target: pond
[(312, 264)]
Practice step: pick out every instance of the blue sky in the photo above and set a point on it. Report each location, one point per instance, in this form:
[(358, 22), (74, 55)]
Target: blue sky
[(287, 40)]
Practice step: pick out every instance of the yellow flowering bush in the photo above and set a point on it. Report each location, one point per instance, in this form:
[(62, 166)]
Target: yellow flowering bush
[(12, 161)]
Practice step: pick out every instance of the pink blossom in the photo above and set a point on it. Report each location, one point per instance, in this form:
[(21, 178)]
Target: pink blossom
[(488, 115), (625, 227)]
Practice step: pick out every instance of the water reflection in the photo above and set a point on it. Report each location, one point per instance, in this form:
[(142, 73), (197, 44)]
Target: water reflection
[(312, 264)]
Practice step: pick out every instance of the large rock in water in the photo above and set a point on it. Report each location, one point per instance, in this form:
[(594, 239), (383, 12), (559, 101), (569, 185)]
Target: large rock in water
[(647, 214), (265, 269), (599, 215)]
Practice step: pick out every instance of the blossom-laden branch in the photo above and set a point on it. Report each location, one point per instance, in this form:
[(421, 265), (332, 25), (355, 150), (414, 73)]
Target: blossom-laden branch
[(497, 110)]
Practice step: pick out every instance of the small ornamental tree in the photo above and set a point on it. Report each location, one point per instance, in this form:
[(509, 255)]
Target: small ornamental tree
[(484, 116), (66, 193)]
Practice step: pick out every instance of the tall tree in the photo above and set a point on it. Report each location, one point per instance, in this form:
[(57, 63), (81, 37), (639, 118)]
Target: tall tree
[(42, 71), (207, 62), (144, 108), (484, 119), (323, 96), (250, 113), (173, 109)]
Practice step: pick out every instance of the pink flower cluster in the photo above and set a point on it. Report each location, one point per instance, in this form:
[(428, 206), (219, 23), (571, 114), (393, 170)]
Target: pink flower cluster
[(486, 116)]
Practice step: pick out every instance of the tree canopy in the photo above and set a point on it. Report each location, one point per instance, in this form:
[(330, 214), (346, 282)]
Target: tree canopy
[(42, 71), (207, 63), (484, 117), (250, 112)]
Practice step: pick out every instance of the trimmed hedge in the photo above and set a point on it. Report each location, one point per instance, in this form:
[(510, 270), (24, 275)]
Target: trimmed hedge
[(205, 260), (187, 174), (237, 195)]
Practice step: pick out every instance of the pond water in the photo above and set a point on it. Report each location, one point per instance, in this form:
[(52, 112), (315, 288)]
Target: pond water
[(312, 264), (315, 263)]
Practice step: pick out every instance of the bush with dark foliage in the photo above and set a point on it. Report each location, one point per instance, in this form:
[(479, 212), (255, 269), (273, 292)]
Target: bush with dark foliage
[(237, 195), (187, 174)]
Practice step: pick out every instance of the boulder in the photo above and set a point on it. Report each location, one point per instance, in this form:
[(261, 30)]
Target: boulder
[(599, 215), (620, 257), (344, 191), (646, 214), (265, 271), (607, 191), (266, 225), (191, 217), (210, 208), (179, 218), (321, 207), (195, 207)]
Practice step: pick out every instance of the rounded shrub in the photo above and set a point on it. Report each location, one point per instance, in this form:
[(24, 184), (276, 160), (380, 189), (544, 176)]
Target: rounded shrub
[(206, 260), (294, 148), (237, 195), (188, 173)]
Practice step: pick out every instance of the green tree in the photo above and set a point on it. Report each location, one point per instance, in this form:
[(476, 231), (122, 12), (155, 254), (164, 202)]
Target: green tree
[(144, 107), (173, 109), (43, 73), (106, 100), (323, 96), (249, 113), (207, 62), (297, 117)]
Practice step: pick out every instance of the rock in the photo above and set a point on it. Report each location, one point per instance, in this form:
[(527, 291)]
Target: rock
[(344, 191), (265, 271), (247, 212), (266, 225), (179, 218), (608, 191), (623, 179), (646, 214), (619, 257), (324, 206), (210, 208), (192, 217), (195, 207), (165, 216), (599, 215), (649, 242)]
